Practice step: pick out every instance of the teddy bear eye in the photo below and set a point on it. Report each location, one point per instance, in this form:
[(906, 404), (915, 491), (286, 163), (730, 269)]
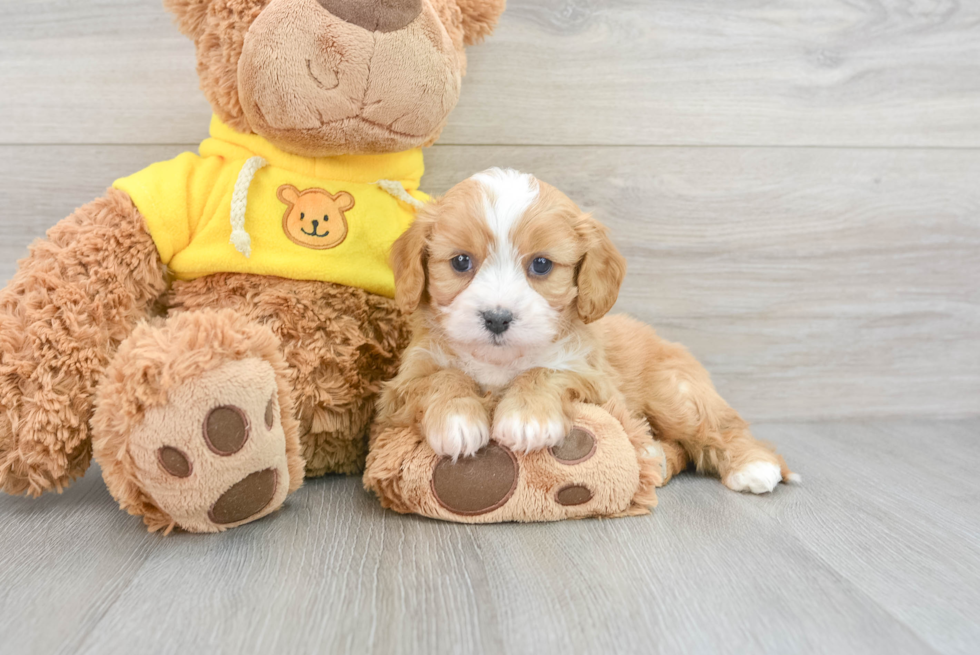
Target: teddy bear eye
[(326, 217), (302, 216)]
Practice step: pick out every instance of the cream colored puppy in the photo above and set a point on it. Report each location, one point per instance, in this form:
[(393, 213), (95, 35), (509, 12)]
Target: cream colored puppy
[(507, 280)]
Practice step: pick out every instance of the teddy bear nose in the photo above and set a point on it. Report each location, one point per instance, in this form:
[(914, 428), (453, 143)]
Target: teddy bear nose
[(375, 15)]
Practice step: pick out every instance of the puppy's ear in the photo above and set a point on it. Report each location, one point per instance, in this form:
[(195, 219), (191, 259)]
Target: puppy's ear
[(479, 18), (600, 273), (190, 15), (408, 262)]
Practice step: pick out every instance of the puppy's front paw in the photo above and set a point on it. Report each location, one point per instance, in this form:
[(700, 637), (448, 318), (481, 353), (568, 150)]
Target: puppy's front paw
[(758, 477), (526, 430), (459, 428)]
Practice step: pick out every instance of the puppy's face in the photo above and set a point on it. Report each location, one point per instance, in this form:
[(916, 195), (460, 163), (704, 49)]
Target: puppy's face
[(504, 264)]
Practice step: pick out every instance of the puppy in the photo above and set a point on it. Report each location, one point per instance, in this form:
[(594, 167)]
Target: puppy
[(507, 281)]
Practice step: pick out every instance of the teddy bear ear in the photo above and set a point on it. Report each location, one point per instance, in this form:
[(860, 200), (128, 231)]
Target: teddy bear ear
[(344, 201), (190, 14), (479, 18), (288, 194)]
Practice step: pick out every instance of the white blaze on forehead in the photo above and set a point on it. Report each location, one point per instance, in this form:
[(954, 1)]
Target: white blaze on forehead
[(508, 194)]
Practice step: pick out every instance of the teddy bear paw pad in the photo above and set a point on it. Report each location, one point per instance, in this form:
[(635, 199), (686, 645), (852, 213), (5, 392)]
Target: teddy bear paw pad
[(593, 471), (476, 485), (573, 494), (246, 498), (578, 446), (215, 455), (226, 429)]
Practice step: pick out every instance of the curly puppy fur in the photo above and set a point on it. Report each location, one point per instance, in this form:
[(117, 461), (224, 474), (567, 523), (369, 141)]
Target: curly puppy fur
[(73, 300), (340, 344), (158, 358)]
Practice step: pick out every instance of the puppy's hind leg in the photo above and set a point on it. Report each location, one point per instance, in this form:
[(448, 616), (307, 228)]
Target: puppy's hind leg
[(687, 409), (676, 394)]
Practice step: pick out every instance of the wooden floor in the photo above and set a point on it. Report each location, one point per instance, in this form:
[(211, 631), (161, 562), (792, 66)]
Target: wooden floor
[(796, 185), (877, 552)]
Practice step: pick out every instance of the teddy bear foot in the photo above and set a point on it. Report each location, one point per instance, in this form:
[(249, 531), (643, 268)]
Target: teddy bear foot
[(608, 465), (190, 437), (215, 456)]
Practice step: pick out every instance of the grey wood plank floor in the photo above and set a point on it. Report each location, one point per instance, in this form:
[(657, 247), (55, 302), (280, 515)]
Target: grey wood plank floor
[(878, 551)]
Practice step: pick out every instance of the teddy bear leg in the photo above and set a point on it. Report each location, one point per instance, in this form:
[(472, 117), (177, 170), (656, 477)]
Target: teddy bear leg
[(193, 425), (337, 440), (73, 299), (606, 466), (340, 343)]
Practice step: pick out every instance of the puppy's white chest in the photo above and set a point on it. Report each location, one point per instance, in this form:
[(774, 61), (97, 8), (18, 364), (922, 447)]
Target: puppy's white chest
[(561, 356), (490, 377)]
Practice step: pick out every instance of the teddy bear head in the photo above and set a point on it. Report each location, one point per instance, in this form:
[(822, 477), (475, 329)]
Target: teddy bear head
[(329, 77), (315, 218)]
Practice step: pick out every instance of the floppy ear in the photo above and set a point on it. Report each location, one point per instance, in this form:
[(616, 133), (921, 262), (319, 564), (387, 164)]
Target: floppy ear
[(600, 272), (408, 262), (479, 18), (344, 201), (288, 194), (190, 15)]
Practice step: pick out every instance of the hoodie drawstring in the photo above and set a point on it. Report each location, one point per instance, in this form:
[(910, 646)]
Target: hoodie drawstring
[(239, 203)]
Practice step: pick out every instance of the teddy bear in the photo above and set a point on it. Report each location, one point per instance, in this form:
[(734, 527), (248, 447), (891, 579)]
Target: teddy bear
[(217, 326)]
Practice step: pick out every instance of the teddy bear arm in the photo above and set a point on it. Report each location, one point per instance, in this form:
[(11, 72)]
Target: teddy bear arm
[(76, 296)]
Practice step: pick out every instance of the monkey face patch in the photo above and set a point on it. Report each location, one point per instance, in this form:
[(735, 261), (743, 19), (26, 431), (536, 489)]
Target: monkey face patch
[(314, 218)]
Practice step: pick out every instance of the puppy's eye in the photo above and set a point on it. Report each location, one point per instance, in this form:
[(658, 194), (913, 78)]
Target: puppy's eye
[(541, 266), (461, 263)]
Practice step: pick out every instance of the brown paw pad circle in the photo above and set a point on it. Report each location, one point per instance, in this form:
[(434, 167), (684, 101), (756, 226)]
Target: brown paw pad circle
[(577, 446), (226, 430), (246, 498), (573, 494), (478, 484), (270, 413), (174, 461)]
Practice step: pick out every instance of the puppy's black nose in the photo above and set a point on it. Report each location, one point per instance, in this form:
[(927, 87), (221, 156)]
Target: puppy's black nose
[(497, 320)]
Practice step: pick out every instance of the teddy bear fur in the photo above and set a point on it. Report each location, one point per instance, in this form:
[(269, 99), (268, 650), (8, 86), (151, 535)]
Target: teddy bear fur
[(219, 28), (95, 334), (620, 474)]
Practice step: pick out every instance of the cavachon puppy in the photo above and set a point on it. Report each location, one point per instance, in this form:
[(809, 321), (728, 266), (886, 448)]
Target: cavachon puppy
[(508, 281)]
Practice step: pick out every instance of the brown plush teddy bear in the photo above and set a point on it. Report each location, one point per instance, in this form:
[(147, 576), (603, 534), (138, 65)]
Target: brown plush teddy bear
[(218, 321)]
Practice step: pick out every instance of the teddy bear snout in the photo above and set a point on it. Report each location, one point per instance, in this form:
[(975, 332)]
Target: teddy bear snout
[(375, 15)]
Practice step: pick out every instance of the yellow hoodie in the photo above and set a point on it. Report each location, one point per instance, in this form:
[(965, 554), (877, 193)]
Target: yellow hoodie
[(303, 218)]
